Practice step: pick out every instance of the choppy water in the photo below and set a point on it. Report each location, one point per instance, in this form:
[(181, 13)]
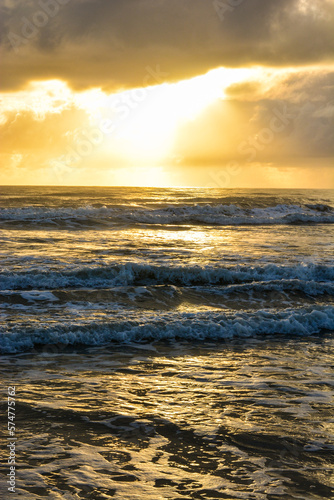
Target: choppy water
[(169, 343)]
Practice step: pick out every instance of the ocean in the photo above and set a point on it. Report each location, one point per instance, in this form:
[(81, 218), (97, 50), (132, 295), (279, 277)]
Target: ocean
[(167, 343)]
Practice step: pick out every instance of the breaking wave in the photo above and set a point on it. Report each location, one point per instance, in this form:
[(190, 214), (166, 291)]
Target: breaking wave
[(125, 327), (146, 274), (222, 215)]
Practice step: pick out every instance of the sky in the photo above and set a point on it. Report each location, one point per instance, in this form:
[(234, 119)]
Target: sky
[(203, 93)]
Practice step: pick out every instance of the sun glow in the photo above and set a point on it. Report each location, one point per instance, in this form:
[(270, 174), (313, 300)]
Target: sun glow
[(172, 134), (143, 125), (141, 177), (147, 120)]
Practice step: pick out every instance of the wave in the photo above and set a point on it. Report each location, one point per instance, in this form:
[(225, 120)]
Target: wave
[(163, 293), (146, 274), (123, 328), (222, 215)]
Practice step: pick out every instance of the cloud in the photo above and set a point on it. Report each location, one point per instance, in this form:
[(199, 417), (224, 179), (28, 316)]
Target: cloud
[(277, 118), (288, 116), (282, 117), (24, 132), (110, 43)]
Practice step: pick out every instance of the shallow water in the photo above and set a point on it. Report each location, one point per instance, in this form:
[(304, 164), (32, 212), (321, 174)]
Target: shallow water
[(210, 420)]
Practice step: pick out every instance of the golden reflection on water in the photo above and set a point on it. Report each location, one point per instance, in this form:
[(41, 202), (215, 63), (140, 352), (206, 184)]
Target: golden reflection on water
[(230, 418), (180, 246)]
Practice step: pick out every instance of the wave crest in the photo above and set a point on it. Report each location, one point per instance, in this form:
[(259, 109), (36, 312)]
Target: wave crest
[(186, 326), (222, 215), (146, 274)]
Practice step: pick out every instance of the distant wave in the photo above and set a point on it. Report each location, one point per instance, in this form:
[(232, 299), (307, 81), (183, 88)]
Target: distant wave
[(223, 215), (124, 328), (146, 274)]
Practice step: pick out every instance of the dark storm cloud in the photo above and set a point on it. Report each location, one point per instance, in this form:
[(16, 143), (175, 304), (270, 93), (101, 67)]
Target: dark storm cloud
[(110, 43)]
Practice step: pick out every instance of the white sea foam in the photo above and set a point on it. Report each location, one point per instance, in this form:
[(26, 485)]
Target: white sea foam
[(146, 274), (126, 327), (34, 295)]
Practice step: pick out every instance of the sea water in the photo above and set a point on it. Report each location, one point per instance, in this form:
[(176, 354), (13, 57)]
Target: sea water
[(168, 343)]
